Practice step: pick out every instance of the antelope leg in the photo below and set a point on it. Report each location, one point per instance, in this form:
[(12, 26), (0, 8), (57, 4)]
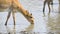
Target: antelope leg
[(8, 17), (13, 17), (44, 6), (49, 7)]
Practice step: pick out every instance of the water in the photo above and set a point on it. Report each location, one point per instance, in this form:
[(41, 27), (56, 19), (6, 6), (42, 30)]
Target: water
[(48, 24)]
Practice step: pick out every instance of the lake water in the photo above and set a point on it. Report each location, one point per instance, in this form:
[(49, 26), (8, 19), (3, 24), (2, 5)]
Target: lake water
[(48, 24)]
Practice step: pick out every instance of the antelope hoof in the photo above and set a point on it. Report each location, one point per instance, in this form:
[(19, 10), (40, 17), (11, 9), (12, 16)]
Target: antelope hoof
[(5, 24)]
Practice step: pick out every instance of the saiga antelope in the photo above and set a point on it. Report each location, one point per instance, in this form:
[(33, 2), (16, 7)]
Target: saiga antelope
[(14, 5), (48, 3)]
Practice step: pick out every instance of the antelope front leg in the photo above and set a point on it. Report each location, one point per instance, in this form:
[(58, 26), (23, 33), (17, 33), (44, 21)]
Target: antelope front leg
[(8, 17), (13, 16)]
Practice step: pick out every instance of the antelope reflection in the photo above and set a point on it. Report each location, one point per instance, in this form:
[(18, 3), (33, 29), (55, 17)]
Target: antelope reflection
[(28, 30), (53, 23)]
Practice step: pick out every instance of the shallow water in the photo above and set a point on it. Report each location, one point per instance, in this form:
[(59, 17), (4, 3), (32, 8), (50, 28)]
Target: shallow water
[(48, 24)]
